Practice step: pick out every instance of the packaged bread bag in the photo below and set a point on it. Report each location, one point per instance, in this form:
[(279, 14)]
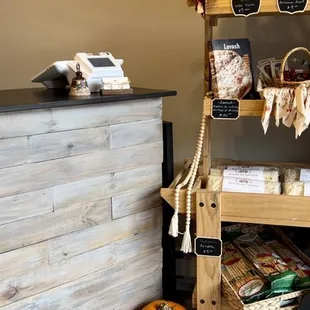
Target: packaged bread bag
[(231, 68)]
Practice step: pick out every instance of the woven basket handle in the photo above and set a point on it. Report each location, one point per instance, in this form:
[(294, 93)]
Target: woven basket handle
[(286, 58)]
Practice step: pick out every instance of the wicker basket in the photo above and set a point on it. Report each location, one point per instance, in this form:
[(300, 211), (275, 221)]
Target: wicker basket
[(275, 303), (280, 82)]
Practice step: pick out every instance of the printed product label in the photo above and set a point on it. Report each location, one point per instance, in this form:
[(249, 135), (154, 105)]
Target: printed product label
[(304, 175), (243, 185), (307, 189), (245, 168), (250, 288), (245, 173)]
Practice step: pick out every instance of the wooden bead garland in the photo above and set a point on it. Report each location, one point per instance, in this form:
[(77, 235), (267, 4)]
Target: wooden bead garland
[(174, 230)]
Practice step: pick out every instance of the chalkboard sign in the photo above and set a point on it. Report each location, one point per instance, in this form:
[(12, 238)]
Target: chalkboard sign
[(245, 7), (292, 6), (225, 109), (208, 247)]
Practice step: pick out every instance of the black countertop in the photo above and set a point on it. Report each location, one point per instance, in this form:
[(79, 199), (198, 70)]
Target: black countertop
[(42, 98)]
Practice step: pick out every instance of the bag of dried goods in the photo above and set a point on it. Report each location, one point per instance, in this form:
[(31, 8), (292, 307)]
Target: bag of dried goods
[(267, 262), (297, 174), (289, 257), (242, 275), (242, 185), (251, 172)]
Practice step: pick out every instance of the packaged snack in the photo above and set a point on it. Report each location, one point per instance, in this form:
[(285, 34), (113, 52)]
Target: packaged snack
[(242, 275), (261, 84), (242, 185), (296, 181), (296, 174), (264, 68), (264, 60), (269, 71), (294, 263), (253, 173), (275, 65), (231, 68), (267, 262), (296, 188)]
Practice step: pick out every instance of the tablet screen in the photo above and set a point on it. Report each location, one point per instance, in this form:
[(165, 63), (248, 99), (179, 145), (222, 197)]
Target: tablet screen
[(101, 62)]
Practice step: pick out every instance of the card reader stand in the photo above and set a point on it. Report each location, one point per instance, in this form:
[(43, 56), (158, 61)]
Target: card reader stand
[(93, 66)]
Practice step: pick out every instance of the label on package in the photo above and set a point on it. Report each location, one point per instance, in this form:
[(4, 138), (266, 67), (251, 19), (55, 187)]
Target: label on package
[(245, 168), (243, 185), (304, 175), (244, 173), (307, 189)]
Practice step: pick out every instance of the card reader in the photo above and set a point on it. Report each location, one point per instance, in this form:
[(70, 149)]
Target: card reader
[(94, 67)]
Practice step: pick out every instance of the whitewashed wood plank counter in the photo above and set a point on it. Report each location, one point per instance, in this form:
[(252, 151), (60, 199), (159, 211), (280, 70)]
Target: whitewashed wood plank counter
[(80, 209)]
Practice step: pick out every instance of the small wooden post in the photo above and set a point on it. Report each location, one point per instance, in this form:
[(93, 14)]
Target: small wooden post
[(208, 215)]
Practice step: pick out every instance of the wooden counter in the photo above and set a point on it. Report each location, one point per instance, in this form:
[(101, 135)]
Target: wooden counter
[(80, 208)]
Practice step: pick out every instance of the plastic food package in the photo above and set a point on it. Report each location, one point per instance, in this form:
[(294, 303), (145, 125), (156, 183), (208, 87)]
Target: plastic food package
[(254, 173), (296, 174), (296, 182), (297, 188), (267, 262), (242, 185), (294, 263), (242, 275)]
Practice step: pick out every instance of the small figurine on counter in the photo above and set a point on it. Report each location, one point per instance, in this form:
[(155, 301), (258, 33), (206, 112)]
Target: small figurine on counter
[(79, 85)]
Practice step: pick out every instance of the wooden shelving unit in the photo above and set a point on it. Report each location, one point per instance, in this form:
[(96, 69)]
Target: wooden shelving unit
[(264, 209), (210, 209), (222, 8), (256, 208)]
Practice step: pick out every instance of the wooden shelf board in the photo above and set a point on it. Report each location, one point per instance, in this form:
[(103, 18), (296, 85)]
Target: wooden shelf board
[(222, 8), (247, 107), (266, 209), (168, 195), (255, 208)]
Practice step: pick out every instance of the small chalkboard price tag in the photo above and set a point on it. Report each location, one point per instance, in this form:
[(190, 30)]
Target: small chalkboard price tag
[(208, 247), (292, 6), (225, 109), (245, 7)]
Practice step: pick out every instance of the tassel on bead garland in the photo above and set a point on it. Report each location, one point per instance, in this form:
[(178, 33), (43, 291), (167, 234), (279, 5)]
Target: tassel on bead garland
[(174, 226), (187, 242)]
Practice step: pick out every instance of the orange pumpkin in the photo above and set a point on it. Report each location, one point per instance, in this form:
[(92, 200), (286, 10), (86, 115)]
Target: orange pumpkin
[(163, 305)]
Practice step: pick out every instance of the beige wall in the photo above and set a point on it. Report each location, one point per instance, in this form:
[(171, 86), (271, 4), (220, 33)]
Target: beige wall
[(162, 43), (270, 36)]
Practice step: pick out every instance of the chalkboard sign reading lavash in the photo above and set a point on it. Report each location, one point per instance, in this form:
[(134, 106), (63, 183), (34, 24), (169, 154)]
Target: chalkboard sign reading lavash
[(292, 6), (245, 7), (225, 109), (208, 247)]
